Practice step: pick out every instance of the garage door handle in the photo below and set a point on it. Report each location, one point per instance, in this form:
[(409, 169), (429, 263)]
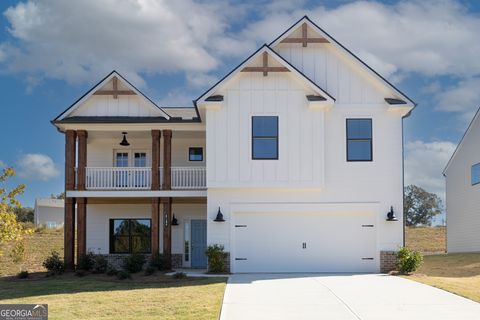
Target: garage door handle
[(240, 258)]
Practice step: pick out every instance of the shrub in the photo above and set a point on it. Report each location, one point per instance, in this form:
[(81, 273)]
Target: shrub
[(111, 270), (86, 262), (81, 272), (134, 263), (408, 260), (54, 264), (216, 258), (179, 275), (100, 264), (161, 262), (23, 275), (122, 275), (150, 270)]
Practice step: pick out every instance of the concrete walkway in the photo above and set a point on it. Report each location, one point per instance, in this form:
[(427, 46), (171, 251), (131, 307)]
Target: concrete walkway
[(338, 297)]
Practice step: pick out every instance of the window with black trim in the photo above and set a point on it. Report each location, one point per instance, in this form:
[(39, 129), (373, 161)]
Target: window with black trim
[(359, 140), (195, 154), (476, 174), (265, 137), (130, 235)]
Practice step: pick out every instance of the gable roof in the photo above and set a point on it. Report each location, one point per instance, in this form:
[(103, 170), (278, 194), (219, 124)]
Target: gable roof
[(279, 59), (100, 84), (306, 19), (470, 126)]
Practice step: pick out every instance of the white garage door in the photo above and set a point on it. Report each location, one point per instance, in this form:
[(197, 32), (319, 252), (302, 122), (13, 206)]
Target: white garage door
[(304, 242)]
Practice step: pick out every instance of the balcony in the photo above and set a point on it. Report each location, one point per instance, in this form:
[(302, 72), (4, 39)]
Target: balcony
[(140, 178)]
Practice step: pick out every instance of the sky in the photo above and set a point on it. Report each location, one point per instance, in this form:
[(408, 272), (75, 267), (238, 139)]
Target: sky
[(53, 51)]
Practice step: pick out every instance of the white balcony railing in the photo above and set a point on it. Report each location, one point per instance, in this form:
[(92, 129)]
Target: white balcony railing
[(188, 178), (140, 178), (116, 178)]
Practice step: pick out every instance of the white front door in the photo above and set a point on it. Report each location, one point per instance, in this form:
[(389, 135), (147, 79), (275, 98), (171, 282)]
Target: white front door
[(304, 242)]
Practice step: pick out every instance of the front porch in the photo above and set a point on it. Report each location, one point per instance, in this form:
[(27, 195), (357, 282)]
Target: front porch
[(117, 227), (146, 176)]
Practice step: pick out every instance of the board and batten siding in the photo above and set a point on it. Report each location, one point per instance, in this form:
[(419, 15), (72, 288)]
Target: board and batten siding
[(463, 199), (229, 130), (334, 72)]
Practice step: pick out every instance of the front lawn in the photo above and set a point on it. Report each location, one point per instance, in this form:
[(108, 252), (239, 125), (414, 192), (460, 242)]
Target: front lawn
[(103, 297), (457, 272)]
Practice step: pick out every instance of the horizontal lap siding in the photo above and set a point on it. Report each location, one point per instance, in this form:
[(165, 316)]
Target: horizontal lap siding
[(463, 199)]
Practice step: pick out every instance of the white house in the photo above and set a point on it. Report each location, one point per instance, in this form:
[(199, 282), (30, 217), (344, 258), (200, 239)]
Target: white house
[(49, 212), (292, 162), (462, 175)]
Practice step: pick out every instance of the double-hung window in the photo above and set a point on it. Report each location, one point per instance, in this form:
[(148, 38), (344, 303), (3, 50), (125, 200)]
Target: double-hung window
[(130, 235), (264, 137), (359, 140), (476, 174)]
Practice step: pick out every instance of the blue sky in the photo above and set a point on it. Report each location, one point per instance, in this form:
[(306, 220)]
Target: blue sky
[(52, 51)]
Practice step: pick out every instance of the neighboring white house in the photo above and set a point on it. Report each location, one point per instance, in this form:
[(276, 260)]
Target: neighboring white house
[(49, 212), (291, 162), (462, 175)]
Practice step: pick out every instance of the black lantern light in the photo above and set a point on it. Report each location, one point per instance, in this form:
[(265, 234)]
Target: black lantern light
[(391, 215), (124, 141), (219, 217), (174, 221)]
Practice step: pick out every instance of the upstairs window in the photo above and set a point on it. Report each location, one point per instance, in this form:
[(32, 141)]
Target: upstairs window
[(264, 138), (195, 154), (359, 140), (476, 174)]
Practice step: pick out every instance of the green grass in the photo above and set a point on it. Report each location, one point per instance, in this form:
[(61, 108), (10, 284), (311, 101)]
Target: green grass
[(39, 245), (457, 272), (103, 297), (426, 239)]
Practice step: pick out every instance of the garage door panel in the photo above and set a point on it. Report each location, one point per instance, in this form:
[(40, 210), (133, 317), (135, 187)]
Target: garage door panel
[(304, 242)]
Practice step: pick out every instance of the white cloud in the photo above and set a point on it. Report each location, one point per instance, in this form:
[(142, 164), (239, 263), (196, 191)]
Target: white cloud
[(83, 40), (2, 164), (37, 166), (201, 80), (410, 36), (462, 98), (424, 164)]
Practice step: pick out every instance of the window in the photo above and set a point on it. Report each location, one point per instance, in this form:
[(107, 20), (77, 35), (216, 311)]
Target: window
[(359, 140), (130, 235), (195, 154), (476, 174), (265, 137)]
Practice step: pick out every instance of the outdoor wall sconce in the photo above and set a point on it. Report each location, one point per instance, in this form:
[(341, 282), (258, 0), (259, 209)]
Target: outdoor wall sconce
[(124, 141), (391, 215), (174, 221), (219, 217)]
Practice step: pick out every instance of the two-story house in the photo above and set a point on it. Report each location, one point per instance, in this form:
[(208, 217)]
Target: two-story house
[(293, 162)]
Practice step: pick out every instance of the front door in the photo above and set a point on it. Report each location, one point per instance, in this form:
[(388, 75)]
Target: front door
[(121, 177), (199, 243)]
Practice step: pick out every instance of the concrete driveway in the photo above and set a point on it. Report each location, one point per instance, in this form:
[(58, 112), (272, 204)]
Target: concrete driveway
[(323, 296)]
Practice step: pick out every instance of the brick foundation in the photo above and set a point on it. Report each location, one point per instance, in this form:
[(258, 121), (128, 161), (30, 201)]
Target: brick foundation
[(388, 261), (116, 260), (177, 260)]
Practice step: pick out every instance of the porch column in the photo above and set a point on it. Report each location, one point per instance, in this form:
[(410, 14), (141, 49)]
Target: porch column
[(155, 225), (81, 227), (156, 160), (69, 218), (167, 226), (167, 159), (82, 159)]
